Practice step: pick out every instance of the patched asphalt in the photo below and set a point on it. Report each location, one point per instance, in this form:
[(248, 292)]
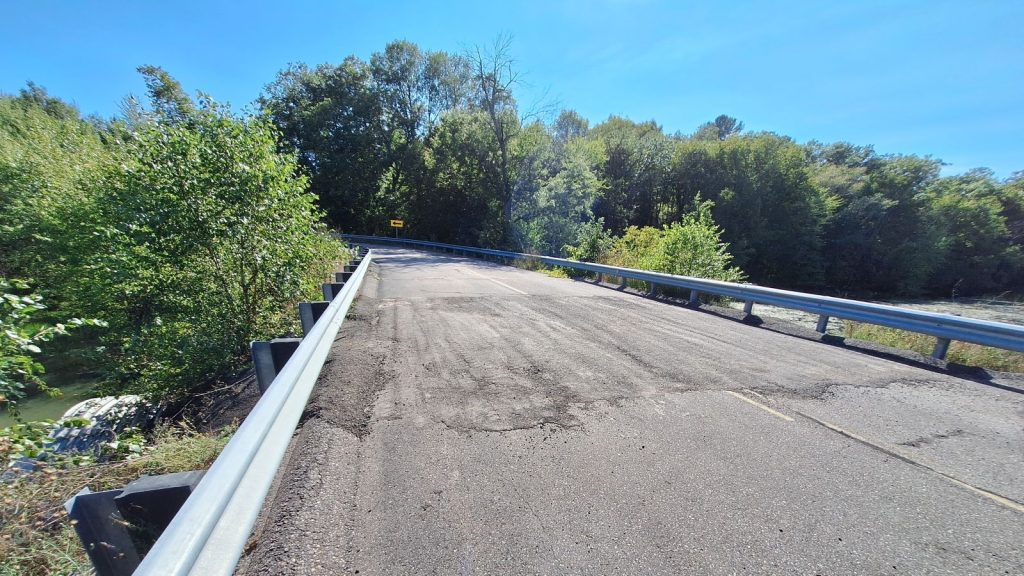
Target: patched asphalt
[(480, 419)]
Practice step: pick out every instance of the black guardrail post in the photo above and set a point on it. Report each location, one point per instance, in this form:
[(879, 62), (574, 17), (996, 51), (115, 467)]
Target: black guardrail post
[(310, 312), (269, 357), (332, 289)]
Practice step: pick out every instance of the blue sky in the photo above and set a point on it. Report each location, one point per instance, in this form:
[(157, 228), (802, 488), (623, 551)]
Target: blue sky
[(924, 77)]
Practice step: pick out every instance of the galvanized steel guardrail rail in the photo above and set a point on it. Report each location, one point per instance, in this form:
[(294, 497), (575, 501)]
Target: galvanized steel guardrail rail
[(208, 534), (944, 327)]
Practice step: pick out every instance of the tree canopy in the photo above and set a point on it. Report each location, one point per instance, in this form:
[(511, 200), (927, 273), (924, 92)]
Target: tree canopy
[(439, 140)]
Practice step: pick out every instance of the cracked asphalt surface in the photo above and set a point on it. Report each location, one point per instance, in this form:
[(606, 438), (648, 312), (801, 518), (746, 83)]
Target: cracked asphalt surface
[(480, 419)]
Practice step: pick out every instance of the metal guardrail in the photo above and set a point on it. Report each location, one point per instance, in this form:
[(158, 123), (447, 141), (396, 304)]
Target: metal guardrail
[(208, 534), (944, 327)]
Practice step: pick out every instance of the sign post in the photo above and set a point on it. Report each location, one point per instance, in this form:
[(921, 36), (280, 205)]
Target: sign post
[(396, 224)]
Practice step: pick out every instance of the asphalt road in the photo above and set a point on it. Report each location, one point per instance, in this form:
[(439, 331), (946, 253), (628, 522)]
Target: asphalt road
[(481, 419)]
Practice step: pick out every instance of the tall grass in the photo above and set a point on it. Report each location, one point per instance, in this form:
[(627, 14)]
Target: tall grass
[(959, 352), (36, 536)]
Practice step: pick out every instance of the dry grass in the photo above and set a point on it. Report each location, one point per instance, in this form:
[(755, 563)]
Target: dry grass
[(959, 352), (554, 272), (36, 537)]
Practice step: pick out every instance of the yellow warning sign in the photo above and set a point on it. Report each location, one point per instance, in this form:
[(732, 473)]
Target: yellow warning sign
[(397, 223)]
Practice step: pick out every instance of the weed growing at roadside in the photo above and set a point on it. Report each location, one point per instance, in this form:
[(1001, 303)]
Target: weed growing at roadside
[(959, 352), (36, 537)]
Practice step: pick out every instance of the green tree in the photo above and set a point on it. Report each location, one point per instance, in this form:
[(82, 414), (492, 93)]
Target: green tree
[(565, 201), (721, 128), (331, 115), (593, 242), (636, 160), (977, 249), (770, 209), (206, 237), (460, 200), (50, 160)]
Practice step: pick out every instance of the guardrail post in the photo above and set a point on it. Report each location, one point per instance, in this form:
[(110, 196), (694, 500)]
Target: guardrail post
[(622, 282), (600, 278), (653, 291), (310, 312), (332, 289), (694, 298), (342, 276), (941, 348), (103, 532), (270, 357), (748, 307), (822, 326), (149, 504)]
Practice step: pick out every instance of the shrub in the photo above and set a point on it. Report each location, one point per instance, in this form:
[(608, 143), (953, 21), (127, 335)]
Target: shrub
[(592, 242), (20, 337), (206, 238), (691, 247)]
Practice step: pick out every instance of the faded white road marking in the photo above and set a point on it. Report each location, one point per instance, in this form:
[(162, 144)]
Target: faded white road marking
[(755, 393), (498, 282), (759, 405), (1002, 500)]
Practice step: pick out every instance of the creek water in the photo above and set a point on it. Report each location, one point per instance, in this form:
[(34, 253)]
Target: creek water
[(43, 407)]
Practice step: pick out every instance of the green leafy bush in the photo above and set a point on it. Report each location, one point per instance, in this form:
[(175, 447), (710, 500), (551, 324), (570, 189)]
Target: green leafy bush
[(20, 337), (50, 161), (206, 239), (691, 247), (593, 242)]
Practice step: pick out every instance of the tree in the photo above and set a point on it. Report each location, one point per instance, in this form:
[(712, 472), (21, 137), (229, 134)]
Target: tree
[(689, 247), (721, 128), (565, 200), (771, 212), (166, 95), (205, 237), (978, 254), (331, 116), (495, 77), (568, 126), (460, 199), (636, 162), (50, 160)]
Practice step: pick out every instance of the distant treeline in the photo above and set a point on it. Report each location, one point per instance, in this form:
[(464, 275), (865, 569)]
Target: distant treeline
[(439, 140)]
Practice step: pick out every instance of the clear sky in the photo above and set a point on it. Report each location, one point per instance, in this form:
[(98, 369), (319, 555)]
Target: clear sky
[(925, 77)]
